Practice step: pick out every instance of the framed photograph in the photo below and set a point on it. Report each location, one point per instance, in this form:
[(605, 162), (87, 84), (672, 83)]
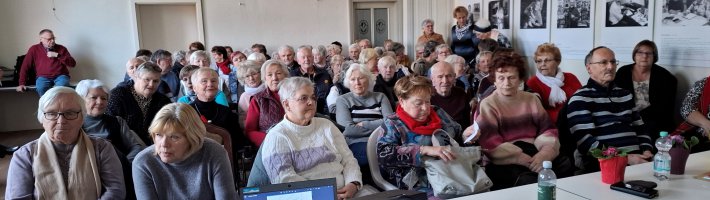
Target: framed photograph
[(533, 14), (573, 13), (626, 13), (499, 13)]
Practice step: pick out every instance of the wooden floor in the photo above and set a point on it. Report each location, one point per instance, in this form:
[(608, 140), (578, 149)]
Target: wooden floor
[(17, 138)]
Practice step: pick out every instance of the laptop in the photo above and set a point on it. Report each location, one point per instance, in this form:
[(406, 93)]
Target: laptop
[(321, 189)]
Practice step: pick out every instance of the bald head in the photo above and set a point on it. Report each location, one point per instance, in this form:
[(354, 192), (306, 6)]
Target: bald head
[(132, 64)]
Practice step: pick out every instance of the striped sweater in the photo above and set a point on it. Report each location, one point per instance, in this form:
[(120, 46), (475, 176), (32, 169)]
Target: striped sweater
[(601, 115), (370, 109)]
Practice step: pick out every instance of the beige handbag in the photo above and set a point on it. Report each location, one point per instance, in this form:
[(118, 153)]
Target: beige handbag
[(458, 177)]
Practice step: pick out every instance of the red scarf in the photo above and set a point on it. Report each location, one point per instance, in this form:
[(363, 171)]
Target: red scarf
[(224, 67), (704, 106), (427, 127)]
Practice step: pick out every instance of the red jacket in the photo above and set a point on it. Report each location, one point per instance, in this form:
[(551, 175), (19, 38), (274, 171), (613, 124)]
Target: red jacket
[(45, 66)]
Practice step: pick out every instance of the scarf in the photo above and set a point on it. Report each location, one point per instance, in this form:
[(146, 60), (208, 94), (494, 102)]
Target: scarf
[(703, 105), (254, 90), (461, 31), (224, 67), (84, 181), (557, 95), (427, 127)]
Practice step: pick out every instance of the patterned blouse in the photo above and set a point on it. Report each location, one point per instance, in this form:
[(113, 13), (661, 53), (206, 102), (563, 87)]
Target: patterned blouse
[(690, 103), (142, 101)]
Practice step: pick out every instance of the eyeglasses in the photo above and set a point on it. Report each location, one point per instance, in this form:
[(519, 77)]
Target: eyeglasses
[(55, 115), (606, 62), (543, 61), (306, 99)]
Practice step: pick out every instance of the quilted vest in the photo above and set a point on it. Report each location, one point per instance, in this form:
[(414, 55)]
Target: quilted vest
[(270, 110)]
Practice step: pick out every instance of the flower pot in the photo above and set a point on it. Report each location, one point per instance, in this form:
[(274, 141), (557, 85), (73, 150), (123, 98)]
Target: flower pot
[(679, 156), (613, 169)]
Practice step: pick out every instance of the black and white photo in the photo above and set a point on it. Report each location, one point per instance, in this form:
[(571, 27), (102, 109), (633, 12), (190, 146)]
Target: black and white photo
[(499, 13), (686, 13), (627, 13), (573, 13), (533, 14)]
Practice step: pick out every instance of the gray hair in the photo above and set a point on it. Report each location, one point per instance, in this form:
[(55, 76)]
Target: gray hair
[(336, 56), (51, 94), (304, 47), (246, 68), (289, 86), (482, 53), (83, 87), (285, 47), (320, 49), (441, 47), (194, 78), (160, 54), (426, 21), (363, 71), (453, 58), (354, 46), (386, 61), (268, 63), (179, 55), (256, 56), (335, 47), (147, 67), (199, 53)]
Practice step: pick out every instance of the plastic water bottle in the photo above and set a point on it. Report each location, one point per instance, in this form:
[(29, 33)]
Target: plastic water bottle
[(662, 160), (546, 182)]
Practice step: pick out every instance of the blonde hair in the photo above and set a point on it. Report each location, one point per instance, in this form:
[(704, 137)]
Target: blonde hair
[(179, 117), (366, 55), (411, 85)]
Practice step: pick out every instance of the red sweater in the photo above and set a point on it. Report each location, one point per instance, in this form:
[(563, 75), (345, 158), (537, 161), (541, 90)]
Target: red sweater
[(571, 86), (45, 66)]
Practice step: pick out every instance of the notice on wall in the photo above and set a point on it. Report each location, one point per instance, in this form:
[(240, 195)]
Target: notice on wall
[(681, 33), (621, 18), (532, 20), (572, 27)]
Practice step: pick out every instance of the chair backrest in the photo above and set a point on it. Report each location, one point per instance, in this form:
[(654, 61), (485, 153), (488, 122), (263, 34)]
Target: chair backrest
[(224, 138), (374, 163)]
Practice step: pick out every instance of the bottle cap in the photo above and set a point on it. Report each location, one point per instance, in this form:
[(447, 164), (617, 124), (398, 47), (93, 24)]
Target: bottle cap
[(664, 133), (547, 164)]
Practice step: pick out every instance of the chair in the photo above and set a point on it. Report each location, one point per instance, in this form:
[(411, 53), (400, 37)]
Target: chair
[(222, 136), (374, 163)]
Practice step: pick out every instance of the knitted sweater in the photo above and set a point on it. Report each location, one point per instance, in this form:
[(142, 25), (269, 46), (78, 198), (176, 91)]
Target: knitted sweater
[(370, 109), (456, 105), (206, 174), (506, 119), (571, 85), (296, 153), (45, 66), (601, 115), (116, 131)]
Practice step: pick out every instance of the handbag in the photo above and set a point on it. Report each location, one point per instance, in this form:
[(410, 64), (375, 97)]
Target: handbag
[(458, 177)]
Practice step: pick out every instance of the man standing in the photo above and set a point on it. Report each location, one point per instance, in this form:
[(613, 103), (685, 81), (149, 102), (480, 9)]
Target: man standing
[(454, 100), (319, 76), (51, 62), (600, 114)]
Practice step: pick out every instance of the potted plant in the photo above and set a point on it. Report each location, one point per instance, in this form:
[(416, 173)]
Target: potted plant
[(680, 152), (612, 163)]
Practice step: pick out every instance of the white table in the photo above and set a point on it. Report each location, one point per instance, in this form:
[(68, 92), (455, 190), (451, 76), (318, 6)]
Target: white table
[(590, 186)]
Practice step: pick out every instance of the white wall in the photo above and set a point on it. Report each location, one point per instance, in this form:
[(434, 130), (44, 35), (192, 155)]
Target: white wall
[(167, 27)]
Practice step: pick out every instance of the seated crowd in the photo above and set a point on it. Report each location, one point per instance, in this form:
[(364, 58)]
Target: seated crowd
[(310, 112)]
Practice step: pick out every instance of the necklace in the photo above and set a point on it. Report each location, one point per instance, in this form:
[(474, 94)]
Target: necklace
[(203, 118)]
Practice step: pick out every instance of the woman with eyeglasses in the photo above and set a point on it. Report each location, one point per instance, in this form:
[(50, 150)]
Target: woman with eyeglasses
[(553, 85), (65, 162), (300, 135), (653, 87)]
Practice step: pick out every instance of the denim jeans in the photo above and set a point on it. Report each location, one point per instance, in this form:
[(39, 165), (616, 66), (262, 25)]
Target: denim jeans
[(43, 83)]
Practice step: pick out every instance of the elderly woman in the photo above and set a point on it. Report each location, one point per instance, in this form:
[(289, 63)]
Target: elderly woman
[(428, 33), (182, 164), (299, 134), (221, 62), (234, 89), (265, 108), (463, 78), (368, 57), (200, 58), (696, 112), (360, 111), (205, 85), (137, 101), (553, 85), (654, 88), (250, 79), (385, 80), (462, 38), (319, 57), (442, 51), (179, 61), (416, 120), (189, 93), (515, 129), (336, 68), (65, 162)]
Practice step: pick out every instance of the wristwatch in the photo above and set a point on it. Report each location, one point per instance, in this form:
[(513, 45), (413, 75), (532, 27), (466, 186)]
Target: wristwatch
[(357, 184)]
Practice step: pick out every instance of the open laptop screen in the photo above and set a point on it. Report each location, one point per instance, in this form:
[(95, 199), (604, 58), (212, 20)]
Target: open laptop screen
[(304, 190)]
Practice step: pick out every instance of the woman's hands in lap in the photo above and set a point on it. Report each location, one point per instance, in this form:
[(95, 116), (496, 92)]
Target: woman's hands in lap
[(441, 152)]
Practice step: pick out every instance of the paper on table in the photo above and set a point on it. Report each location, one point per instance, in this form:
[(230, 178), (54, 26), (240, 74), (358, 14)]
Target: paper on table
[(473, 135)]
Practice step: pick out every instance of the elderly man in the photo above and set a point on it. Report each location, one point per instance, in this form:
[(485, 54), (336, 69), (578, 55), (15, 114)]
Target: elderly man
[(353, 54), (171, 83), (51, 62), (454, 100), (131, 67), (600, 113), (286, 55), (320, 77)]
